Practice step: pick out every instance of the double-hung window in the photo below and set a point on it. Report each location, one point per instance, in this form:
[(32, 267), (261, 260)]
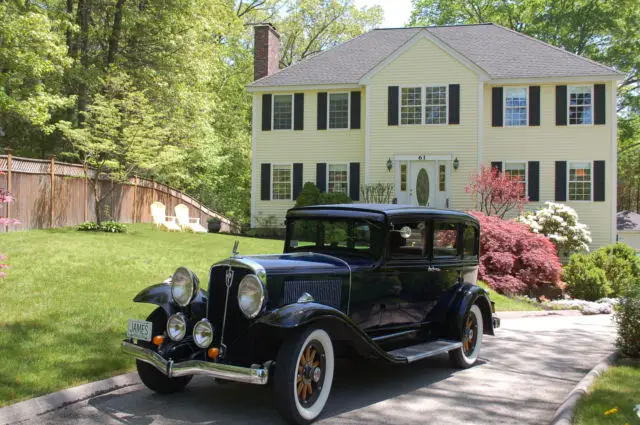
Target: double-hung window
[(580, 181), (281, 179), (435, 110), (338, 110), (411, 105), (338, 178), (282, 111), (515, 106), (580, 105), (517, 171)]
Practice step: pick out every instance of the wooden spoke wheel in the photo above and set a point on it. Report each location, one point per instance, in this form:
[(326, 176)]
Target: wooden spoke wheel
[(471, 337), (303, 375)]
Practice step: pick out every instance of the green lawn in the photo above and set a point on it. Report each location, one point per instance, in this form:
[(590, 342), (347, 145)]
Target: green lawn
[(618, 387), (504, 303), (67, 297)]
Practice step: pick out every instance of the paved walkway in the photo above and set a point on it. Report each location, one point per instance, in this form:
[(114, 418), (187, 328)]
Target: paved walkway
[(524, 374)]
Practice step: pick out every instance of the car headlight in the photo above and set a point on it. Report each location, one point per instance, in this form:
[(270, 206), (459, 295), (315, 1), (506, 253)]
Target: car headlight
[(176, 327), (184, 286), (203, 333), (250, 295)]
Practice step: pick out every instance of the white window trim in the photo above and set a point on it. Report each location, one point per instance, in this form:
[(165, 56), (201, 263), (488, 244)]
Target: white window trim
[(446, 181), (446, 103), (569, 108), (281, 164), (526, 172), (569, 172), (348, 127), (504, 106), (348, 175), (423, 104), (273, 111)]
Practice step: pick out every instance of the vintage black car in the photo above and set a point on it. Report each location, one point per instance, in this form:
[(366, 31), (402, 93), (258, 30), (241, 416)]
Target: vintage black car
[(390, 282)]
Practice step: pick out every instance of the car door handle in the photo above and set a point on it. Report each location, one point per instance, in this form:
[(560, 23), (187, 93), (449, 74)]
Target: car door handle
[(433, 269)]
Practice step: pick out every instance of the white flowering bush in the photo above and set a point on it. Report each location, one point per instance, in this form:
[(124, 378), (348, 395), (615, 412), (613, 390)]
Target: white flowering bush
[(560, 224)]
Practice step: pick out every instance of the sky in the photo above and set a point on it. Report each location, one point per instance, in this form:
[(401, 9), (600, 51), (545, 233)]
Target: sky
[(396, 12)]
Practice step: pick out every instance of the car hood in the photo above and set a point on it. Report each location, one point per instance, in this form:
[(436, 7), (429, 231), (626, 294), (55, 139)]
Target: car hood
[(306, 263)]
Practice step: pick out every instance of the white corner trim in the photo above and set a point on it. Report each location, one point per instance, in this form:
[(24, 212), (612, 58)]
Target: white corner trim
[(412, 42), (367, 133), (479, 148), (254, 161), (613, 184), (304, 87)]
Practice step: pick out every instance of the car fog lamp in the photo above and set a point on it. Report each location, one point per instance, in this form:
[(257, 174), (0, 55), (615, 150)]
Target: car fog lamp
[(176, 327), (184, 286), (250, 295), (203, 333)]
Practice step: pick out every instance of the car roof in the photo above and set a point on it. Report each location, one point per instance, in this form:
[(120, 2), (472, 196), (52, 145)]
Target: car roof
[(371, 210)]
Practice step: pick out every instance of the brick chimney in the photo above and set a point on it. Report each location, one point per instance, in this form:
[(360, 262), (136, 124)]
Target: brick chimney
[(266, 51)]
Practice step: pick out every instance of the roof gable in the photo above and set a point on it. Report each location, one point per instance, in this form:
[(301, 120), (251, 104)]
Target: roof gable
[(499, 52)]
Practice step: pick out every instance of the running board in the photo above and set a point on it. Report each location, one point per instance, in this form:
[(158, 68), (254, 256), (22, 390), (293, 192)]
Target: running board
[(424, 350)]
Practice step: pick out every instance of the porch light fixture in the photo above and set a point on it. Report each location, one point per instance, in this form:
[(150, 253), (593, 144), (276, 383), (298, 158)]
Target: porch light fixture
[(389, 164), (456, 163)]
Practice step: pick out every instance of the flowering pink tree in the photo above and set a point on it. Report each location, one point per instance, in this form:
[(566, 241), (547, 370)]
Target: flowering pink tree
[(497, 192), (513, 259), (5, 197)]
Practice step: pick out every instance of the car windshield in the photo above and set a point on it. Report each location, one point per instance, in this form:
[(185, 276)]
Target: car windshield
[(343, 236)]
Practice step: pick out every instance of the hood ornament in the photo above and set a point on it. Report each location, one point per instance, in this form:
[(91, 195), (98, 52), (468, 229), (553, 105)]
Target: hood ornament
[(235, 252)]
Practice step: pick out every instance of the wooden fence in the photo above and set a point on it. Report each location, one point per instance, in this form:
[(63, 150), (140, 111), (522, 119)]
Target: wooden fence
[(49, 194)]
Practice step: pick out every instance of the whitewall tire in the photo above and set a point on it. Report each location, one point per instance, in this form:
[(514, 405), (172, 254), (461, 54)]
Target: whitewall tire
[(471, 334), (303, 375)]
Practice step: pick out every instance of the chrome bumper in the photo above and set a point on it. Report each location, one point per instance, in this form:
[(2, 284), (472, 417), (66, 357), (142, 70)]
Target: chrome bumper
[(196, 367)]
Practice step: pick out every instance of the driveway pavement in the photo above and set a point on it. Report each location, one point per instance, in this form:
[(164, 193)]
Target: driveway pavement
[(524, 374)]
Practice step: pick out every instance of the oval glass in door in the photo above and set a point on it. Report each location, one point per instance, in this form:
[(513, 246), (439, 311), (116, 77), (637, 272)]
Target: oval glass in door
[(422, 187)]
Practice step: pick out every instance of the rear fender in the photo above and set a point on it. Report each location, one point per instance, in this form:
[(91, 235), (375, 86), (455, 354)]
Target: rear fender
[(341, 328), (467, 296), (160, 295)]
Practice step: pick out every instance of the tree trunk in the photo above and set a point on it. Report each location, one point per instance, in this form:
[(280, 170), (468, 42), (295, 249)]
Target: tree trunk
[(83, 19), (114, 38), (70, 44)]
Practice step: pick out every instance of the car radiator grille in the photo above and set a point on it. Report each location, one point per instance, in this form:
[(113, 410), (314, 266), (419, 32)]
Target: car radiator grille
[(326, 292)]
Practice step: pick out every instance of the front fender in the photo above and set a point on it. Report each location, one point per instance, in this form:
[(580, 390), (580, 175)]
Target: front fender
[(160, 295), (466, 296), (339, 325)]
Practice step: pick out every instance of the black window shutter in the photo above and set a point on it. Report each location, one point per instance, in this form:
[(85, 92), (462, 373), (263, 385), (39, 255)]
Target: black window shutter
[(533, 181), (534, 105), (265, 182), (355, 110), (393, 102), (354, 181), (298, 113), (321, 176), (561, 105), (454, 103), (599, 104), (561, 181), (496, 107), (598, 181), (297, 180), (266, 112), (322, 111), (496, 164)]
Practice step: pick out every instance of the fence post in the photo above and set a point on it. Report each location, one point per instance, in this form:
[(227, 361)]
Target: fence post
[(52, 164), (135, 189), (86, 193), (9, 170)]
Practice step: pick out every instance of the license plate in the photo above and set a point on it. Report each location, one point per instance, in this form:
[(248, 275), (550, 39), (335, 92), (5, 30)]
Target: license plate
[(139, 329)]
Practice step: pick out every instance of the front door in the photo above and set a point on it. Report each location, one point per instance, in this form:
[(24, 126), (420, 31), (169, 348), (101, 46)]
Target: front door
[(422, 184)]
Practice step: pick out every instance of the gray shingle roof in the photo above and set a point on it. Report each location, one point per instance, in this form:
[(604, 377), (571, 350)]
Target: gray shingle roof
[(628, 220), (500, 52)]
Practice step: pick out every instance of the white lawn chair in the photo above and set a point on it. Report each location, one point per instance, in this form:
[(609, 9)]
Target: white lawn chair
[(161, 220), (193, 223)]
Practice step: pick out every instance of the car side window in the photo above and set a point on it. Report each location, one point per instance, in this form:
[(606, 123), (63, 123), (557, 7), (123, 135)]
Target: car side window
[(469, 242), (407, 240), (445, 238)]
